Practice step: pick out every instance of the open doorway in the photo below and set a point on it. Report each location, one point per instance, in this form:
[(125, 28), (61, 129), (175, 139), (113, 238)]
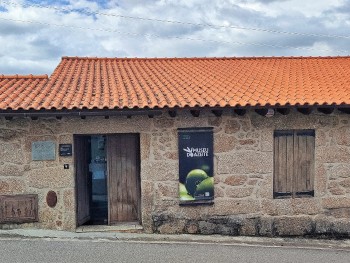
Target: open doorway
[(98, 171), (107, 179)]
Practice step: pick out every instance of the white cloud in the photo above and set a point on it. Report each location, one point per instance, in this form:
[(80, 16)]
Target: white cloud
[(37, 48)]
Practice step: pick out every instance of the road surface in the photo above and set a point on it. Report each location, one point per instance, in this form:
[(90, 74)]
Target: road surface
[(100, 250)]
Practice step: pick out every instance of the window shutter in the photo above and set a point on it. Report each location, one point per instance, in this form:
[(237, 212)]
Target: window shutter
[(294, 165), (283, 163), (304, 164)]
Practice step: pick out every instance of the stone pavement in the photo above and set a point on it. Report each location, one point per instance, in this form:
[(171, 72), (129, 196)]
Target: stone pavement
[(343, 244)]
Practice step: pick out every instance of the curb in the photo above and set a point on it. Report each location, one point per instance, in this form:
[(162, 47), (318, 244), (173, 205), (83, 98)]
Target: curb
[(296, 242)]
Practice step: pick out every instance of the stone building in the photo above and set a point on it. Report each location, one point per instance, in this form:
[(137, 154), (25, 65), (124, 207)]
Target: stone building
[(97, 143)]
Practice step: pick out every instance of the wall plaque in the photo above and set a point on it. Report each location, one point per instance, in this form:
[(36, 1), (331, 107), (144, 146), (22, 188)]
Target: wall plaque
[(43, 151), (65, 149), (51, 199), (18, 208)]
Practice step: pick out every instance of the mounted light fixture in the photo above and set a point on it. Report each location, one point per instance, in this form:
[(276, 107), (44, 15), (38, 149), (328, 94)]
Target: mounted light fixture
[(270, 113), (265, 112)]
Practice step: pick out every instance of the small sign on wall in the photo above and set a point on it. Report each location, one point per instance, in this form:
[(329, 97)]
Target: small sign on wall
[(196, 181), (43, 151), (65, 149)]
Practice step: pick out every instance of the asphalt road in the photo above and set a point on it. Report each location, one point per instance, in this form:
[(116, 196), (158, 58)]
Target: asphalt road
[(96, 251)]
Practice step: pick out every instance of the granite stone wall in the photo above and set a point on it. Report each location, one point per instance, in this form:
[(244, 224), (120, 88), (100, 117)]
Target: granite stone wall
[(243, 172)]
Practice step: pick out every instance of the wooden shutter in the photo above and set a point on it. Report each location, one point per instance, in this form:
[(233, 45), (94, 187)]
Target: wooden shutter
[(294, 155), (283, 163), (304, 164)]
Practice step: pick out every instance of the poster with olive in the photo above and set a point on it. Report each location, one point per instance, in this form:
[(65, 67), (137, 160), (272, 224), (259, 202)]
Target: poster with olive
[(196, 181)]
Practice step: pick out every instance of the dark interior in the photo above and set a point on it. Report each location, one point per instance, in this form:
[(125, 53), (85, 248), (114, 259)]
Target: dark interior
[(98, 181)]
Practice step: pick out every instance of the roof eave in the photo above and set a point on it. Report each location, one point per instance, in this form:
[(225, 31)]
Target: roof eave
[(149, 111), (81, 113)]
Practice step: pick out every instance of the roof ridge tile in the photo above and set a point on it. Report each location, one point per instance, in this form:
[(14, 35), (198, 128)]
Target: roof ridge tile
[(207, 58), (30, 76)]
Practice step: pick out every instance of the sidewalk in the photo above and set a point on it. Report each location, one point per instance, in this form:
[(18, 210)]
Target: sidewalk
[(184, 238)]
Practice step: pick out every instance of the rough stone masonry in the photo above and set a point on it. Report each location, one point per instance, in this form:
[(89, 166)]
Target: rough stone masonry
[(243, 173)]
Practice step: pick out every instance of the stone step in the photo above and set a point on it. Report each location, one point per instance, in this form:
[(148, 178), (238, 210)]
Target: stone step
[(122, 227)]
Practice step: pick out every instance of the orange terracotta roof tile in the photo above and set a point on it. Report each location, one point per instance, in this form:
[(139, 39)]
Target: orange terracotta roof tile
[(117, 83), (21, 91)]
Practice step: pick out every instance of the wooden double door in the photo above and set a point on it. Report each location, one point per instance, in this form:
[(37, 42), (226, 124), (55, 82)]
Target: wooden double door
[(122, 175)]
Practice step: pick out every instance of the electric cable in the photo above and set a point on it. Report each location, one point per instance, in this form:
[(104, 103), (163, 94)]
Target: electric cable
[(172, 37), (183, 23)]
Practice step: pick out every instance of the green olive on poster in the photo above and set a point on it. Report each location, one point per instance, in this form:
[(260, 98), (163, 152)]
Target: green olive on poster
[(186, 197), (206, 187), (183, 194), (194, 178), (182, 189)]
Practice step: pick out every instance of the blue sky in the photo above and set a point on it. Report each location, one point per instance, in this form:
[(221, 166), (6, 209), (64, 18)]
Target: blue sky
[(34, 35)]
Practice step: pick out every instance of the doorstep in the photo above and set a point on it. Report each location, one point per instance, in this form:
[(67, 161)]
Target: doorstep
[(123, 227)]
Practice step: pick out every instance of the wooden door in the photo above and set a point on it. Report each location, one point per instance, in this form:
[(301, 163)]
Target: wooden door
[(82, 155), (123, 178)]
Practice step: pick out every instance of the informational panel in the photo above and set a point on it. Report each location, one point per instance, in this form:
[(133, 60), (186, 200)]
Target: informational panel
[(18, 208), (43, 151), (196, 181), (65, 149)]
